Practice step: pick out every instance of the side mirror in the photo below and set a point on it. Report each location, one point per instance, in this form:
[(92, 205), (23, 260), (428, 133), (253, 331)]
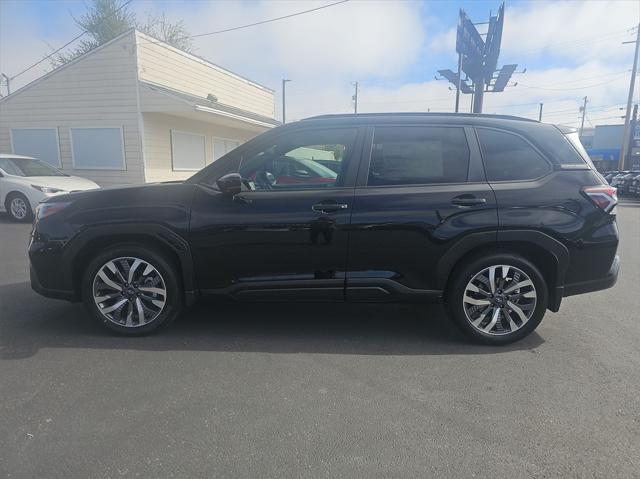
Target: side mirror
[(230, 184)]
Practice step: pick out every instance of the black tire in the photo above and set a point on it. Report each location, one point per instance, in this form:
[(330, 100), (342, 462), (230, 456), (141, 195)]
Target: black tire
[(7, 205), (170, 277), (463, 275)]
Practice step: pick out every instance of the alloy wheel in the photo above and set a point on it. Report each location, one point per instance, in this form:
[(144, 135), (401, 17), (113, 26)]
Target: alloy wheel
[(18, 208), (129, 291), (499, 300)]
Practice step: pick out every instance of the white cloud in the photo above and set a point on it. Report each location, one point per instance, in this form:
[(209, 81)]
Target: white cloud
[(378, 43), (570, 30), (573, 31)]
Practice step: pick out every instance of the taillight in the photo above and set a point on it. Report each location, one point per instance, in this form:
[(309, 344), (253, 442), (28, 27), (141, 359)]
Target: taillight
[(604, 197)]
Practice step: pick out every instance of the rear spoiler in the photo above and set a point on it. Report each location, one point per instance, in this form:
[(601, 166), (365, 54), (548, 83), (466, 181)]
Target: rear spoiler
[(566, 129)]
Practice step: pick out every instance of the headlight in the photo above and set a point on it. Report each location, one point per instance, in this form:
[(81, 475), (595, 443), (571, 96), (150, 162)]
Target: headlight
[(47, 209), (46, 189)]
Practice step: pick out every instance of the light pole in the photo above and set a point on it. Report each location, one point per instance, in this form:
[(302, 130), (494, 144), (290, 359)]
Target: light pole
[(540, 113), (284, 83), (8, 81)]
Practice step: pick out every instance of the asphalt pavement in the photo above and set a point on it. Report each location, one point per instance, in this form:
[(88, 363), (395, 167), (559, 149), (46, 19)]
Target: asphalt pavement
[(286, 390)]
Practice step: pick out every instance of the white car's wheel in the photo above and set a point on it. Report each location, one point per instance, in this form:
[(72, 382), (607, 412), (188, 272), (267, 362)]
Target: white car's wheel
[(18, 207)]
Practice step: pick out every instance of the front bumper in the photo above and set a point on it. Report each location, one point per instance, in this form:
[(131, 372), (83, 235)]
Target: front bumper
[(48, 292), (597, 284)]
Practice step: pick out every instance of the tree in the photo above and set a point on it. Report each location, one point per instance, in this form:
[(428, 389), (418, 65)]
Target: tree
[(106, 19), (175, 34)]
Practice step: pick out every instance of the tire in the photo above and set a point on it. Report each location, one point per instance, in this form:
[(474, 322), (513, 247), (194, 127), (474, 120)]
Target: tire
[(520, 310), (18, 207), (141, 297)]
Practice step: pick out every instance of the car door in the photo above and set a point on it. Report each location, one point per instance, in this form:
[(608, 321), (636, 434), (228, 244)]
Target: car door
[(421, 191), (278, 241)]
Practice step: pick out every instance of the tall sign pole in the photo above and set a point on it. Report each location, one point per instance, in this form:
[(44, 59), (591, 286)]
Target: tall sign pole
[(459, 82), (627, 115), (478, 95)]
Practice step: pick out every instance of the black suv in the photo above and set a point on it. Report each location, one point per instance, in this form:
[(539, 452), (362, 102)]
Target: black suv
[(500, 217)]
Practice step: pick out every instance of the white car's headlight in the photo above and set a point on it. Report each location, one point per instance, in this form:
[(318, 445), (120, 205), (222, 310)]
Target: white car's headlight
[(47, 189)]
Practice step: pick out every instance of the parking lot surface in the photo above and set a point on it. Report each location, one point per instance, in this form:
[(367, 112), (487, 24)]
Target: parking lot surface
[(286, 390)]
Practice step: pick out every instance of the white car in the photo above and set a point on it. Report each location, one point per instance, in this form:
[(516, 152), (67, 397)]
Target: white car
[(25, 182)]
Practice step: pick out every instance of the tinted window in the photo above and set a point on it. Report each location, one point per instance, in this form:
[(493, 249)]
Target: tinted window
[(295, 160), (508, 157), (418, 155), (24, 167)]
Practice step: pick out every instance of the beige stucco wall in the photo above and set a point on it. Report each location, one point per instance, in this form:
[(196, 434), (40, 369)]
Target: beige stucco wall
[(157, 142), (164, 65)]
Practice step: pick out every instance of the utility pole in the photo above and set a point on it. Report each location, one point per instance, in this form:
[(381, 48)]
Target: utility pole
[(540, 114), (284, 83), (355, 99), (634, 122), (583, 109), (625, 136), (8, 81)]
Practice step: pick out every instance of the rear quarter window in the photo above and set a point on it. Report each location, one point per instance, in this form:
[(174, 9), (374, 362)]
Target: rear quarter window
[(509, 157)]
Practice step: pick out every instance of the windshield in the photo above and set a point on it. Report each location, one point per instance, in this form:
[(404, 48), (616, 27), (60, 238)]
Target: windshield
[(28, 167)]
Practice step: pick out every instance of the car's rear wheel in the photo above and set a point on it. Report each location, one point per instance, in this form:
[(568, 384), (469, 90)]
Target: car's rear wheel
[(132, 290), (18, 207), (497, 299)]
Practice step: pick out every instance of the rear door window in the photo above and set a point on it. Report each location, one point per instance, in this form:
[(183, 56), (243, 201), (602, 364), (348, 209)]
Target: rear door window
[(418, 155), (509, 157)]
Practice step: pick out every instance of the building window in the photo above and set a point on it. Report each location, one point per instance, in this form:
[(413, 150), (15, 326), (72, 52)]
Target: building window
[(40, 143), (97, 148), (187, 151), (222, 146)]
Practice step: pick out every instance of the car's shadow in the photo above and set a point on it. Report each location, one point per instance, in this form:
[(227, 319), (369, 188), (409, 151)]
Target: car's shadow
[(29, 322)]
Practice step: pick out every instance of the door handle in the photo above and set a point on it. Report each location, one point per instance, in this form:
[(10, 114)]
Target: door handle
[(467, 200), (329, 207)]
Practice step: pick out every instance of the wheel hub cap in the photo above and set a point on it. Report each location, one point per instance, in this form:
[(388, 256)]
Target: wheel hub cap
[(129, 292), (18, 208), (499, 300)]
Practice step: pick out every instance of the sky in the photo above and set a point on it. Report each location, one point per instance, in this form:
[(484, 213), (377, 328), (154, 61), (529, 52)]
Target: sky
[(565, 50)]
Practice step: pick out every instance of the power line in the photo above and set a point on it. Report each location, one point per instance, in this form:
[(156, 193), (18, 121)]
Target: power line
[(594, 39), (84, 32), (619, 73), (262, 22), (575, 88)]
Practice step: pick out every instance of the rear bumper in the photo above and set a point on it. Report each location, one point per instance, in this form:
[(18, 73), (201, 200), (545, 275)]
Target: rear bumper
[(597, 284)]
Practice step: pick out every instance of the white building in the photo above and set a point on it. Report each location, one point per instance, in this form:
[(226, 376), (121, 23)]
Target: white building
[(134, 110)]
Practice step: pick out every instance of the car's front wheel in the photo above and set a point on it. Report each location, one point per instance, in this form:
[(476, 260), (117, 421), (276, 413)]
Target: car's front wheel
[(497, 299), (132, 290), (18, 207)]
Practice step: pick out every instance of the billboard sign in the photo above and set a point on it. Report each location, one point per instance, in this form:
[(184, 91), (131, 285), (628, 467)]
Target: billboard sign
[(494, 37), (470, 45)]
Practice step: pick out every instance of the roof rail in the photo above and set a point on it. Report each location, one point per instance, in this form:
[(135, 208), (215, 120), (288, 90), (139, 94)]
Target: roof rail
[(421, 114)]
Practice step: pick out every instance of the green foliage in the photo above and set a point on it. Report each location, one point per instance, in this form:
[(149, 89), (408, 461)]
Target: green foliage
[(106, 19), (175, 34)]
